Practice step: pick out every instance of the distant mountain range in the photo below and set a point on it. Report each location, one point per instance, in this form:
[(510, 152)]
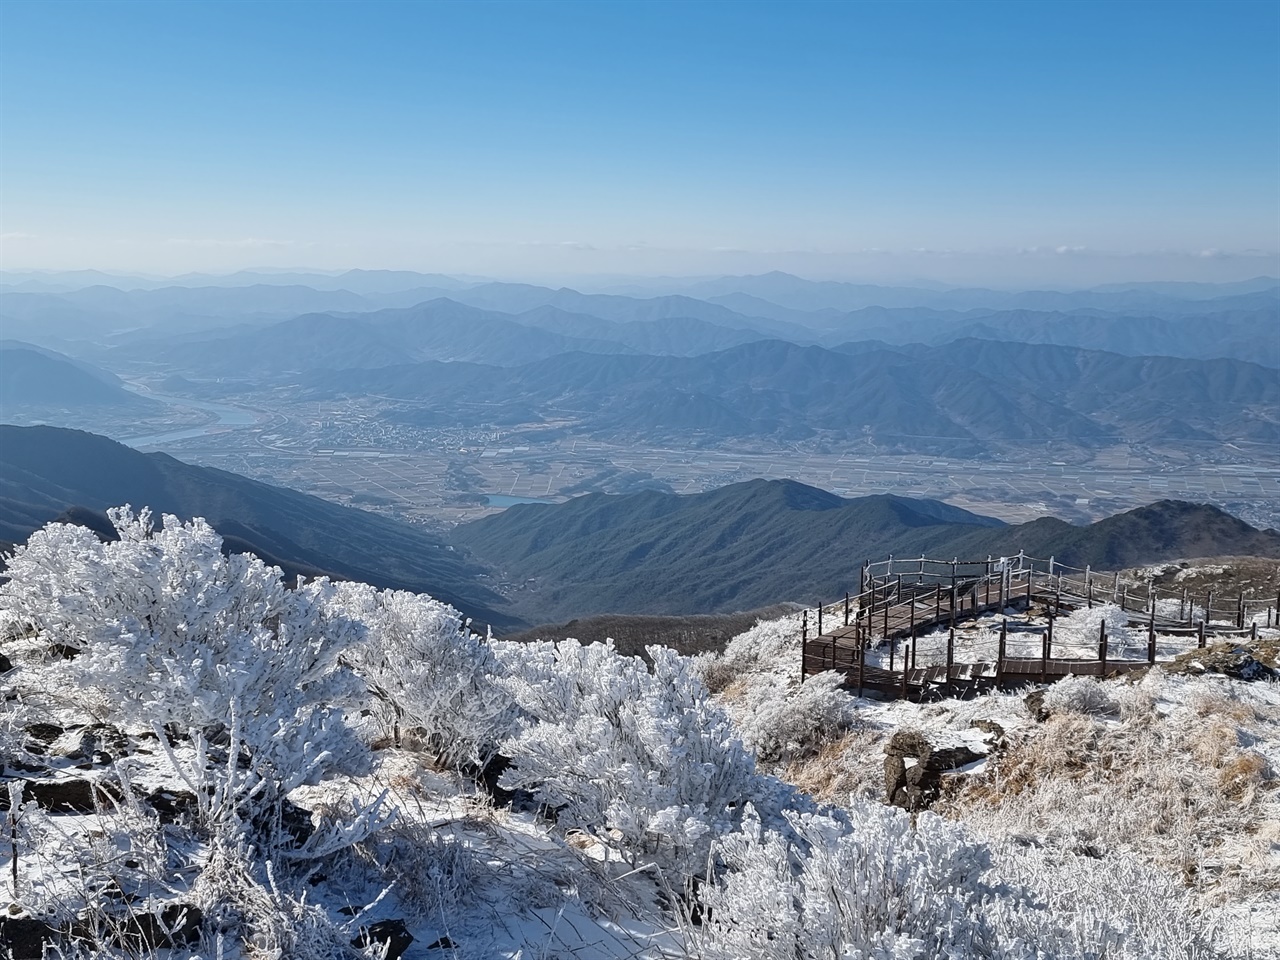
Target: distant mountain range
[(965, 395), (753, 543), (681, 318), (44, 471)]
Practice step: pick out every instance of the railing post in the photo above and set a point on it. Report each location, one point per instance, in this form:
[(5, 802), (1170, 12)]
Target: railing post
[(1000, 654), (862, 578), (1200, 639), (1029, 579), (804, 649), (862, 669), (1240, 612), (804, 627), (1115, 590), (1048, 636), (951, 649), (1151, 637), (1044, 658), (1102, 648), (904, 672), (1253, 629), (1088, 585), (1183, 614), (911, 629), (819, 620), (937, 602), (846, 608), (1208, 607)]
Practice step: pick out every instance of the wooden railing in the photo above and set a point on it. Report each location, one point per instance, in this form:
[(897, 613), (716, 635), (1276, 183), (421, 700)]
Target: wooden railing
[(904, 598)]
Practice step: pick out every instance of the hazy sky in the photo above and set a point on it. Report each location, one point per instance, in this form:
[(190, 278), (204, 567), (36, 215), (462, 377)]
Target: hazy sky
[(1017, 143)]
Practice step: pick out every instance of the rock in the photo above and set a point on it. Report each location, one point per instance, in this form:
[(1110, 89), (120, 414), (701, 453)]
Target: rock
[(43, 734), (296, 822), (1035, 705), (173, 806), (77, 744), (5, 664), (26, 937), (177, 924), (391, 933), (64, 795), (989, 726), (444, 943), (908, 743), (917, 784), (1238, 662)]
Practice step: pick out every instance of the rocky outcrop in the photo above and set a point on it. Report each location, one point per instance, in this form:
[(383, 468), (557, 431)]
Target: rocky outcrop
[(914, 766), (1238, 661)]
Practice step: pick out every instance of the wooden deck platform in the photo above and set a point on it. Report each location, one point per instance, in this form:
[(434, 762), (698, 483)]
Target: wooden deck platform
[(890, 609)]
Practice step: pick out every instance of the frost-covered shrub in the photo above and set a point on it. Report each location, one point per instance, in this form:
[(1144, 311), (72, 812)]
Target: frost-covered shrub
[(765, 645), (871, 885), (1110, 906), (779, 717), (176, 637), (1079, 694), (785, 722), (620, 751), (429, 671)]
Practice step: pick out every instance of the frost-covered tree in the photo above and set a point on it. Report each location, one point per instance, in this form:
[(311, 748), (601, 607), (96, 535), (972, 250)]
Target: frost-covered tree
[(429, 671), (616, 747)]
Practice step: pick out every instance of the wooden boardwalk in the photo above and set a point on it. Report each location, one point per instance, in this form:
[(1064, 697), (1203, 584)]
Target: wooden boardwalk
[(924, 595)]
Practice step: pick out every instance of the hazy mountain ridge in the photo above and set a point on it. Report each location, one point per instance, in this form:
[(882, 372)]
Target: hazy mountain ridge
[(437, 330), (971, 391)]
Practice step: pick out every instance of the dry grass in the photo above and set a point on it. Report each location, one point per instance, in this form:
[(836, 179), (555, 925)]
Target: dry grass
[(841, 768), (1183, 792), (1240, 776), (1224, 706)]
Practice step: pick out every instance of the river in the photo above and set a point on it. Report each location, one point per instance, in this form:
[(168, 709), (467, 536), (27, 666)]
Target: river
[(229, 417)]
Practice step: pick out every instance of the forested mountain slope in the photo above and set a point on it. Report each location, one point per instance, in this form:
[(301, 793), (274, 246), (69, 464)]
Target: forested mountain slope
[(45, 470), (765, 541)]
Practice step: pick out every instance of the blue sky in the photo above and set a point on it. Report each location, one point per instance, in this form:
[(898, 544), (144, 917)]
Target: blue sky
[(1022, 142)]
